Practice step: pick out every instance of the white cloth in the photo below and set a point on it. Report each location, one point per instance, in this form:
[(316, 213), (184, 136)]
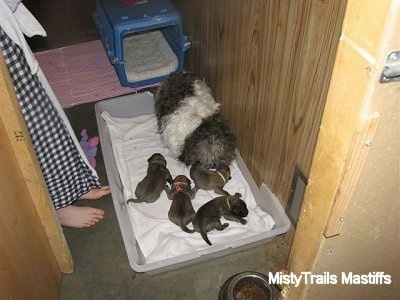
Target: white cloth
[(134, 140), (12, 4), (16, 20)]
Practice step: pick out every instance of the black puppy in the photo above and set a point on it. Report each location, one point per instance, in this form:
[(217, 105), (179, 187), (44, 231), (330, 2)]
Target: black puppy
[(149, 189), (208, 216), (181, 212)]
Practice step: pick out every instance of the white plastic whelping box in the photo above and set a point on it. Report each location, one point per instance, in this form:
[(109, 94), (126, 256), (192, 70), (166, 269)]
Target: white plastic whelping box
[(143, 40), (143, 104)]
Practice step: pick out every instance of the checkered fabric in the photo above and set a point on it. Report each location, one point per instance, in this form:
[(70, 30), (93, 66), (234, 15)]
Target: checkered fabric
[(66, 174)]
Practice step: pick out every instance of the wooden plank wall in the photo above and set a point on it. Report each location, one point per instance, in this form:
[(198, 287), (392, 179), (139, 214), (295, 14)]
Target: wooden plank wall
[(29, 237), (269, 63), (368, 239)]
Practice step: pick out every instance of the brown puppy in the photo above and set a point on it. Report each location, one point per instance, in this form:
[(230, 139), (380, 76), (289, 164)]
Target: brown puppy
[(181, 211), (207, 179), (208, 216), (149, 189)]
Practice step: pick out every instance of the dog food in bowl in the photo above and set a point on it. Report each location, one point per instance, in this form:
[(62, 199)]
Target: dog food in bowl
[(248, 286), (251, 291)]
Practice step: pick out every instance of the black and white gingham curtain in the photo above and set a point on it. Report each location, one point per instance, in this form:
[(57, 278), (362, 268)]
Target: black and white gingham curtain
[(66, 174)]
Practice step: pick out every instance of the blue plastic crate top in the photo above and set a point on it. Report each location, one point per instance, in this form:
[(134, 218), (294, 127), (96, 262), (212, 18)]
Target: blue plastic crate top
[(116, 19), (133, 12)]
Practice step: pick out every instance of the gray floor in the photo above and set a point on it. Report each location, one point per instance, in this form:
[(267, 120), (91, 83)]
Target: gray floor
[(102, 270)]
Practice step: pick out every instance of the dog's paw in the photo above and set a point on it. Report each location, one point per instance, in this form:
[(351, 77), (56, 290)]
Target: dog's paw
[(243, 221), (223, 226)]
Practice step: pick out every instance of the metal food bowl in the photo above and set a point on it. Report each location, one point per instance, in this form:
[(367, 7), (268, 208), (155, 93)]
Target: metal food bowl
[(248, 286)]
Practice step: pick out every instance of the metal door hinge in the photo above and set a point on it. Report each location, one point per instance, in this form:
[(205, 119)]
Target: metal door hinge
[(391, 71)]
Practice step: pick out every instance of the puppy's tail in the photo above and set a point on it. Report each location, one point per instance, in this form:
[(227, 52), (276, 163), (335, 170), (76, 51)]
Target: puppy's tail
[(185, 229), (134, 201), (205, 237), (183, 226)]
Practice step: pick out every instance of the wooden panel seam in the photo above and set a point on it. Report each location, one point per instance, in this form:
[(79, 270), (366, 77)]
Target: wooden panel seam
[(352, 170)]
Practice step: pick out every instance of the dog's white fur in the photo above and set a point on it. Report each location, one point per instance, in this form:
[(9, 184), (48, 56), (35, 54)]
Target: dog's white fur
[(192, 110)]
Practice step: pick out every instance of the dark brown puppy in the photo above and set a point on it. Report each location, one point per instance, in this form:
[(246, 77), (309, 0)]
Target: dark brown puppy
[(181, 211), (208, 216), (207, 179), (149, 189)]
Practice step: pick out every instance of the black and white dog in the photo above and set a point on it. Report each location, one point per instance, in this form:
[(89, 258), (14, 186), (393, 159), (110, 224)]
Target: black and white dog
[(190, 122)]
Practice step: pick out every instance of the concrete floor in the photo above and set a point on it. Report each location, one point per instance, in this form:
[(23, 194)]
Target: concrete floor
[(102, 268)]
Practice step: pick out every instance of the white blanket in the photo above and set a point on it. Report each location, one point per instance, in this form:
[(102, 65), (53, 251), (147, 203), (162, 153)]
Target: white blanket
[(148, 55), (16, 20), (134, 140)]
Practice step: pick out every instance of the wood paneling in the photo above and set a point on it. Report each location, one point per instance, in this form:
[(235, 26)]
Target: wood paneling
[(368, 241), (269, 63), (351, 173), (29, 268)]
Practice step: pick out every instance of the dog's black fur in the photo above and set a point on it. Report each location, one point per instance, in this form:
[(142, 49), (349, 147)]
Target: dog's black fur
[(171, 92), (212, 143), (150, 187), (208, 216)]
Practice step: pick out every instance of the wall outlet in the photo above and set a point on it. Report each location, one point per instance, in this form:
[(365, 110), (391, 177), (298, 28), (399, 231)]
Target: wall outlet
[(299, 183)]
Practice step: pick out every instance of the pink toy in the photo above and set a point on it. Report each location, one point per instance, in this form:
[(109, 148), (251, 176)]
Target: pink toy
[(89, 147)]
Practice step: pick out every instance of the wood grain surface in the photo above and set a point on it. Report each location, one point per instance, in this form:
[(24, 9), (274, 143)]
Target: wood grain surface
[(269, 63)]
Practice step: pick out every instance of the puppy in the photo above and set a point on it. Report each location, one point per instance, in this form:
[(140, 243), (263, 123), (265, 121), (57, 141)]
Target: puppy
[(206, 179), (149, 189), (190, 123), (208, 216), (181, 211)]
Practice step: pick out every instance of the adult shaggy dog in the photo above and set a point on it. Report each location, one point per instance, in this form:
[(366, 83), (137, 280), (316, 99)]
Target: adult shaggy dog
[(190, 122)]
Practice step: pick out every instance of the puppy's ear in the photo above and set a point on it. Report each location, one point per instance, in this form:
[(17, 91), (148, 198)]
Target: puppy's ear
[(239, 208)]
